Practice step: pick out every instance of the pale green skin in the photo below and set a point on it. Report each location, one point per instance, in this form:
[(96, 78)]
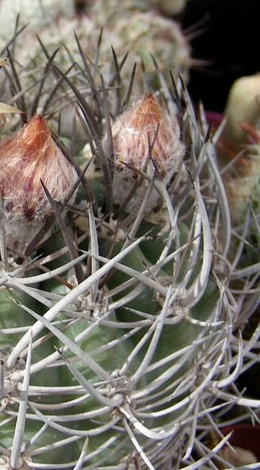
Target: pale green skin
[(172, 339), (160, 388)]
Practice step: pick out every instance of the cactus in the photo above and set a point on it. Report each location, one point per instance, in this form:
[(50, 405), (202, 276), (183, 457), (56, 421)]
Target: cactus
[(127, 29), (239, 143), (122, 317), (238, 154), (169, 7)]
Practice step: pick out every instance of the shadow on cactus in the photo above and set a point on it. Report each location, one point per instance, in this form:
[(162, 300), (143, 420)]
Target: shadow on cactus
[(118, 346)]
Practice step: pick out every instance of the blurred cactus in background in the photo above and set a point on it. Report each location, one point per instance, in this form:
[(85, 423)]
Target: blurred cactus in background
[(239, 143), (142, 34), (123, 311)]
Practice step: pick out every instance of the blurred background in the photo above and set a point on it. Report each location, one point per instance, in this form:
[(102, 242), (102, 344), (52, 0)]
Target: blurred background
[(227, 37)]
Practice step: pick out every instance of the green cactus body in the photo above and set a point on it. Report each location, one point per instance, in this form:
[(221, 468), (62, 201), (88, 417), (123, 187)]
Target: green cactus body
[(129, 340), (12, 315)]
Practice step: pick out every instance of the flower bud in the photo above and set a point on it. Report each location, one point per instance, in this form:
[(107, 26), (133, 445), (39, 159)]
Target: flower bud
[(145, 139), (30, 159)]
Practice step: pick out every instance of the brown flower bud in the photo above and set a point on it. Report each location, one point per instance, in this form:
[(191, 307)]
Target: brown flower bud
[(146, 138), (30, 159)]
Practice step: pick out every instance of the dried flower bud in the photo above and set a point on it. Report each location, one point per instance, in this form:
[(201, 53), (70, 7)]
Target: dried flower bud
[(27, 159), (145, 139)]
